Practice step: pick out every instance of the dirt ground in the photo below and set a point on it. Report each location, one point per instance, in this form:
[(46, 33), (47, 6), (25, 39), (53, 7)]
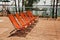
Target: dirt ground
[(43, 29)]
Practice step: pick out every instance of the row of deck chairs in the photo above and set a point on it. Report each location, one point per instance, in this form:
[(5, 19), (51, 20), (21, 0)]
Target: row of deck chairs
[(22, 20)]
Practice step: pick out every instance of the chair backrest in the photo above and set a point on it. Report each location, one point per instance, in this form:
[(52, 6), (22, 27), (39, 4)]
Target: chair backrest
[(27, 18), (29, 13), (23, 16), (14, 22), (20, 19)]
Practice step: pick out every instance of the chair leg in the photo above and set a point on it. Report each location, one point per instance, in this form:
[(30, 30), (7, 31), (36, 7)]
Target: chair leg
[(12, 31)]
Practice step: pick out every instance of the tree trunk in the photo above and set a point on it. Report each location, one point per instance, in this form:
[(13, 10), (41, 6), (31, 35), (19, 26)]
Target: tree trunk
[(56, 8), (53, 9), (18, 6), (15, 5)]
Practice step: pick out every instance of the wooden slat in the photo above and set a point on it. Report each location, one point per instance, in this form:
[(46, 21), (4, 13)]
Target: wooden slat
[(23, 24), (29, 13), (14, 22), (25, 18)]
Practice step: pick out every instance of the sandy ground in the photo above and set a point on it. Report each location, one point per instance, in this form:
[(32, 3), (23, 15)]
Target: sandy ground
[(42, 30)]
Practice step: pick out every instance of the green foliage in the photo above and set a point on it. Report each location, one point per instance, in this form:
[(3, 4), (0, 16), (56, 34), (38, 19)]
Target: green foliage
[(5, 1), (30, 2)]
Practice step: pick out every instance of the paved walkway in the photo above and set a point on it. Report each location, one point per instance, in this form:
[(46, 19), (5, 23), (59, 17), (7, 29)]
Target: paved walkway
[(42, 30)]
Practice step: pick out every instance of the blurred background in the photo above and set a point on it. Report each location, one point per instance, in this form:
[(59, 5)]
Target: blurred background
[(38, 7)]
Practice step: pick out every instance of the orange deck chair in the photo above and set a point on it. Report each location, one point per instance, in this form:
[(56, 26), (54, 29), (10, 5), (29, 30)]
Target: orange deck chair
[(25, 18), (20, 20)]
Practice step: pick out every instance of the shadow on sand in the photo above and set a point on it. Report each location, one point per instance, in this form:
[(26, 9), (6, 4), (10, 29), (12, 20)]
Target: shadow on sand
[(23, 33)]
